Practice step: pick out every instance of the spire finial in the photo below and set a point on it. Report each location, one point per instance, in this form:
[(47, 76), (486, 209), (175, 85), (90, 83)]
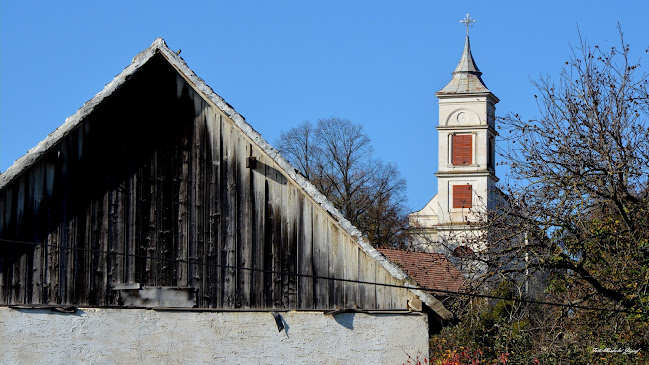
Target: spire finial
[(467, 21)]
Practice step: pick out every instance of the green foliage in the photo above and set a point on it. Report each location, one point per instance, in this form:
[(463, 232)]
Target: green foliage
[(493, 329)]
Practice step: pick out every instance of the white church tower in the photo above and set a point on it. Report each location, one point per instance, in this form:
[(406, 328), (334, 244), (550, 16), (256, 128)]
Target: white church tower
[(466, 168)]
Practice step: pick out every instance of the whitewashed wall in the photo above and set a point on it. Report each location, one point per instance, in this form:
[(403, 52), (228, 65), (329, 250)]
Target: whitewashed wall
[(138, 336)]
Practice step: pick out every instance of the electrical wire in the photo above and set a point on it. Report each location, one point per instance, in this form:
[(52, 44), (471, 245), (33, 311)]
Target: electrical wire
[(318, 277)]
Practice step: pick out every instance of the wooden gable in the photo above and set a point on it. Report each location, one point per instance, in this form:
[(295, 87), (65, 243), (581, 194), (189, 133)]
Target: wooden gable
[(158, 183)]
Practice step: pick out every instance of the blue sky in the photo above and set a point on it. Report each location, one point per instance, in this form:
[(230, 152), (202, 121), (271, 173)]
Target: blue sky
[(279, 63)]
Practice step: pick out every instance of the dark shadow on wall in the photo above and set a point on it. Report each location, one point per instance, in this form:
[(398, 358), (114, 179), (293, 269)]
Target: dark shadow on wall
[(345, 319)]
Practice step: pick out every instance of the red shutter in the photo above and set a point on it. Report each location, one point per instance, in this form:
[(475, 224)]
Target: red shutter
[(462, 149), (462, 195)]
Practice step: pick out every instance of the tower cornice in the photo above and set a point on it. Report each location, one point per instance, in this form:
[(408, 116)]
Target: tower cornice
[(454, 95), (467, 128), (465, 173)]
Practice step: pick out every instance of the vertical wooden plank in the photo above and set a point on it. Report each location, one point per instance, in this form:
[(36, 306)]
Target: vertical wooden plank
[(293, 245), (400, 298), (221, 214), (141, 228), (152, 229), (111, 245), (4, 248), (244, 224), (197, 251), (17, 277), (259, 219), (90, 257), (350, 250), (278, 232), (68, 158), (35, 187), (397, 295), (281, 222), (51, 173), (391, 292), (336, 265), (3, 217), (5, 221), (287, 227), (321, 254), (182, 174), (380, 275), (268, 244), (367, 273), (120, 232), (68, 261), (305, 254), (131, 223), (37, 281), (212, 283), (52, 265), (289, 245), (165, 251), (101, 272), (116, 243), (229, 204), (83, 271), (194, 148), (4, 267), (37, 175)]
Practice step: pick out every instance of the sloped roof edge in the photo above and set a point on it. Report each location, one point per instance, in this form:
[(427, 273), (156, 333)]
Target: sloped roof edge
[(159, 46), (425, 206)]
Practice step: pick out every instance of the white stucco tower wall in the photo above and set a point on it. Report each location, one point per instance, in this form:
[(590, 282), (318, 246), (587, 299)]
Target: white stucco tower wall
[(466, 174)]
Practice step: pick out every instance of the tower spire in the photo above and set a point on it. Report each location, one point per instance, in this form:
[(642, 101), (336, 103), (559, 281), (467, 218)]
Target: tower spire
[(466, 77), (467, 64)]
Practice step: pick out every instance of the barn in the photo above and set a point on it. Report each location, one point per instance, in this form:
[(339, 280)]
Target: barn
[(156, 225)]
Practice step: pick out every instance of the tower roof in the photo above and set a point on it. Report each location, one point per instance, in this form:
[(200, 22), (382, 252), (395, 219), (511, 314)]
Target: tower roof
[(466, 77)]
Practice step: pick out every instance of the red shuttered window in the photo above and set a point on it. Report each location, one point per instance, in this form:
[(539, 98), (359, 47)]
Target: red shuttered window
[(462, 196), (462, 149)]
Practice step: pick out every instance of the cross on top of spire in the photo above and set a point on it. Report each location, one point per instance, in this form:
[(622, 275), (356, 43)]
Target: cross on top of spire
[(467, 22)]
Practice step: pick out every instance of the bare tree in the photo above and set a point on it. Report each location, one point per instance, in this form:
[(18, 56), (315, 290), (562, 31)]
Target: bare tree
[(337, 157), (577, 213), (572, 226)]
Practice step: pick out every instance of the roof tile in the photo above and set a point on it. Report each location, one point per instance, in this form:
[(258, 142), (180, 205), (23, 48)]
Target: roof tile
[(430, 270)]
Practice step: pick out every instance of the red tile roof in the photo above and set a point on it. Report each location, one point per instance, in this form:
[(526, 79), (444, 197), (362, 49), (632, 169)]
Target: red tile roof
[(430, 270)]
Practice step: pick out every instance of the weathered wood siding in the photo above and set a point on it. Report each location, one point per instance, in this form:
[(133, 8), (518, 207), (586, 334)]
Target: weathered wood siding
[(153, 188)]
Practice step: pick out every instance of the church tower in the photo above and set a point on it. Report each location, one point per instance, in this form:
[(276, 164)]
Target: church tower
[(466, 168)]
